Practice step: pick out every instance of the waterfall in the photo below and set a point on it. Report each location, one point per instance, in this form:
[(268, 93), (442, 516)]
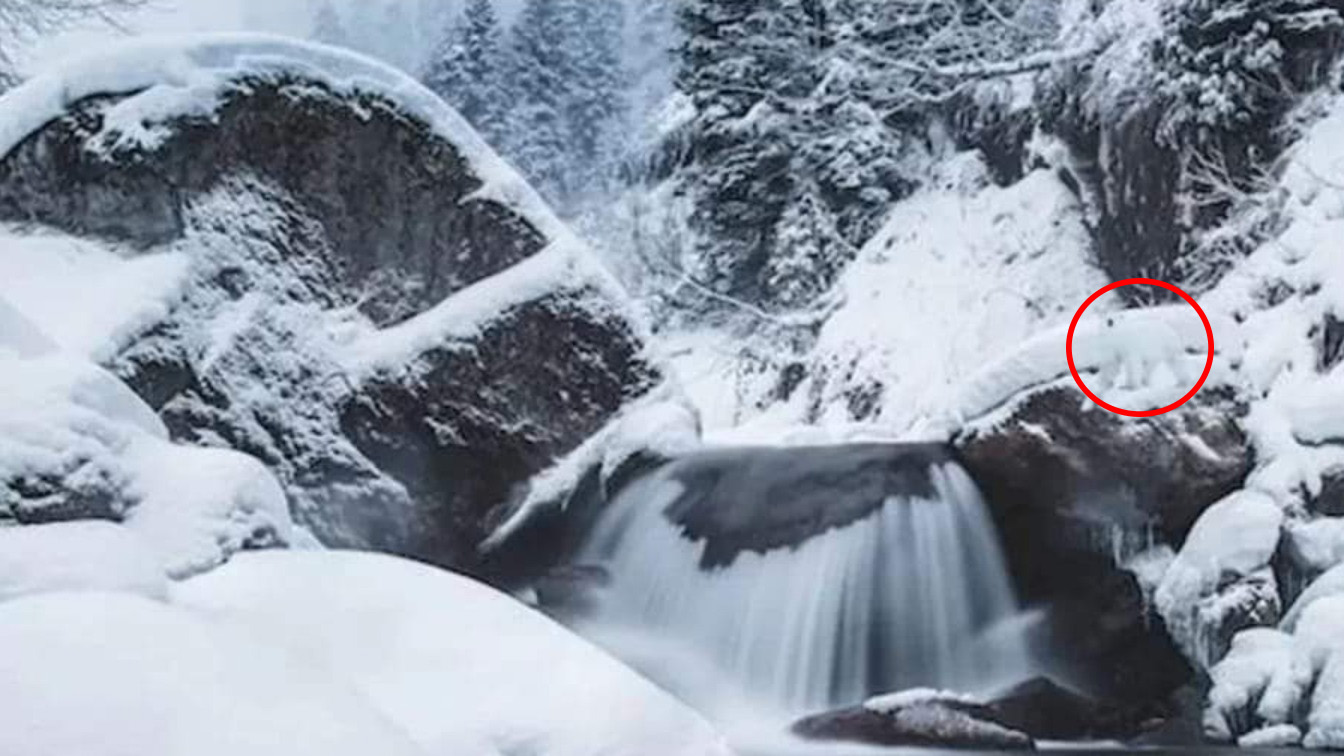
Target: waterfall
[(895, 578)]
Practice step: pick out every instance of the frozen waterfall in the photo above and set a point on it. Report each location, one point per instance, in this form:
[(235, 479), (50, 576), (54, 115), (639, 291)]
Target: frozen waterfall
[(894, 577)]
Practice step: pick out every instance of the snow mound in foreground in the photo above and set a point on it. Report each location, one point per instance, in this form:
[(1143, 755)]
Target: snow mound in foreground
[(450, 660), (118, 675), (69, 556)]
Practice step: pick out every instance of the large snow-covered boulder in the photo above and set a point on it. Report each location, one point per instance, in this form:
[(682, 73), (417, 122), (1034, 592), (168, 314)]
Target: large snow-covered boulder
[(322, 266), (448, 659)]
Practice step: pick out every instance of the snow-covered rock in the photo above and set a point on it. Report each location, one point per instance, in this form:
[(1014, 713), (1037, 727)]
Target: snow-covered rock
[(448, 659), (299, 253), (102, 674), (920, 717), (78, 556), (1221, 582), (1239, 681), (78, 444)]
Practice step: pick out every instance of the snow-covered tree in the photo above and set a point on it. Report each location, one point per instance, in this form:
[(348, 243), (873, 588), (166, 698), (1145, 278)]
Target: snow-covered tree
[(328, 27), (537, 84), (567, 95), (596, 103), (467, 70)]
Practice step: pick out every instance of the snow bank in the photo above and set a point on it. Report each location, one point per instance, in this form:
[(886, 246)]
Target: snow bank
[(198, 506), (1234, 539), (77, 556), (1239, 681), (80, 443), (978, 269), (1136, 359), (19, 336), (1320, 646), (89, 297), (117, 675), (449, 659), (1281, 295)]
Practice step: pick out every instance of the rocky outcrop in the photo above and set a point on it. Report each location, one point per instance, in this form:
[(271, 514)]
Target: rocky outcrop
[(1076, 491), (375, 305), (933, 722), (1046, 710), (781, 497), (1037, 709)]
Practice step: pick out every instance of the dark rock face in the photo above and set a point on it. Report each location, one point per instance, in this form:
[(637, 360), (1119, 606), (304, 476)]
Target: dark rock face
[(1046, 710), (479, 418), (1072, 488), (307, 212), (783, 496), (1150, 163), (393, 202), (936, 723)]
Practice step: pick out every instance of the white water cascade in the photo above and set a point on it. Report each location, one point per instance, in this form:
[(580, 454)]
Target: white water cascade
[(912, 593)]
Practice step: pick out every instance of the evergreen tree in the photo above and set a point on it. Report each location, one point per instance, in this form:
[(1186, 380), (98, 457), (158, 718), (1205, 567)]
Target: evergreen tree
[(537, 83), (790, 170), (466, 70), (595, 105), (567, 93), (328, 27)]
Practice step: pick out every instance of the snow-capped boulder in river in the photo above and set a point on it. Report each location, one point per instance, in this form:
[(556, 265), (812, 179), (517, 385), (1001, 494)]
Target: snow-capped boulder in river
[(302, 254)]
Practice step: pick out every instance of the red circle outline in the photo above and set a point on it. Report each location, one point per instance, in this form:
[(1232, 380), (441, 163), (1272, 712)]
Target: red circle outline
[(1208, 364)]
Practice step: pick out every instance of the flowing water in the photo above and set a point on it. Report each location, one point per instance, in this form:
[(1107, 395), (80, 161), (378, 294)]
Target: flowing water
[(913, 592)]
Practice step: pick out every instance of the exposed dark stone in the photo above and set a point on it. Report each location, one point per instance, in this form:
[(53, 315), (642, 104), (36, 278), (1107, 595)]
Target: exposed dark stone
[(783, 496), (987, 121), (1332, 343), (393, 201), (1070, 485), (1046, 710), (480, 418), (935, 723), (1330, 501)]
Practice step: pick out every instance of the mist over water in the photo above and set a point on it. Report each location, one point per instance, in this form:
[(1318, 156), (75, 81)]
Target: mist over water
[(915, 594)]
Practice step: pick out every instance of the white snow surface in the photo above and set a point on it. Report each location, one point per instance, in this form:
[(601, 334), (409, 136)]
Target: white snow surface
[(959, 276), (450, 660), (889, 702), (63, 417), (100, 674), (78, 556), (89, 297), (1239, 681)]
